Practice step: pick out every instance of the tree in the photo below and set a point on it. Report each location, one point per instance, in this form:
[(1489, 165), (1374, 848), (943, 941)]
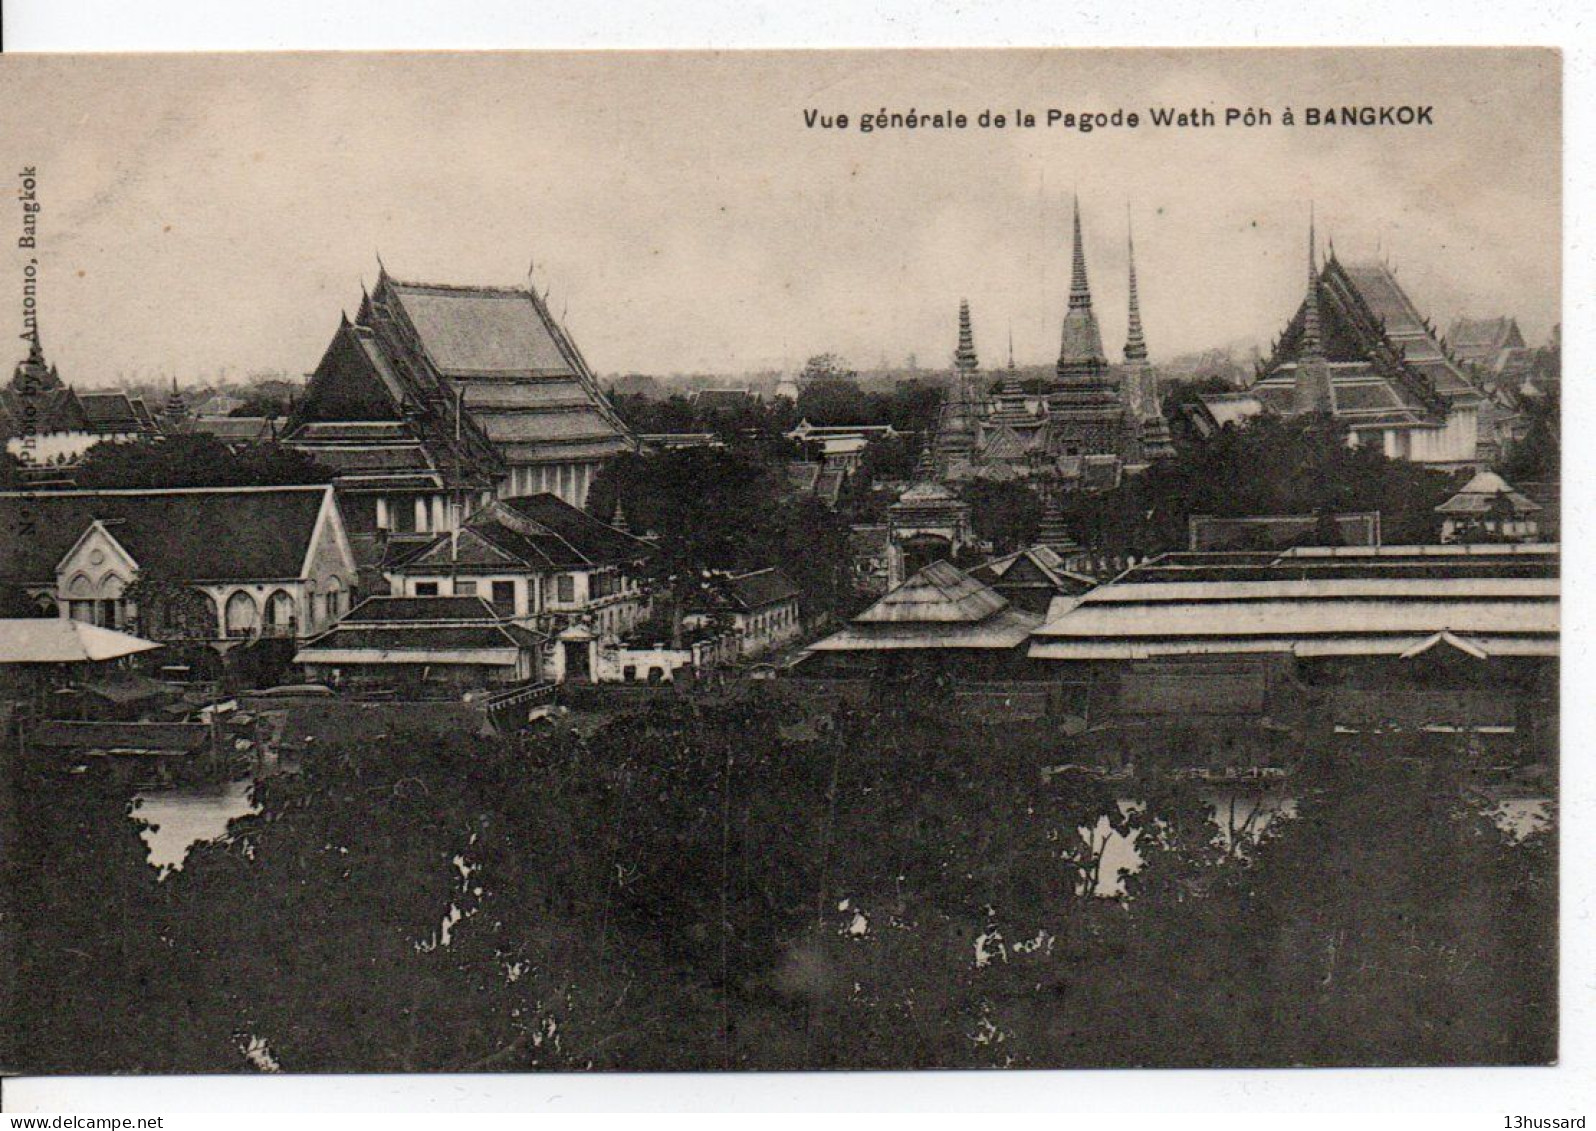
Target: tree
[(704, 506), (827, 368), (1006, 514), (195, 459), (170, 610), (1538, 456)]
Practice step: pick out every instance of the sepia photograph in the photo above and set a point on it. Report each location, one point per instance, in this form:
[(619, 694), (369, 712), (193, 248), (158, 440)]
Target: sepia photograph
[(780, 561)]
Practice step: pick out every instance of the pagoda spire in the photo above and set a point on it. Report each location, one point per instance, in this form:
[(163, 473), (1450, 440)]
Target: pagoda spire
[(1312, 346), (1135, 343), (1052, 532), (175, 411), (1080, 289), (964, 358), (1312, 392), (1081, 361), (618, 519)]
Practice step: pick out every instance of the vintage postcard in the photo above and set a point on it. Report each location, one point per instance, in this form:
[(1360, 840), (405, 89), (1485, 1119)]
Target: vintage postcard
[(742, 561)]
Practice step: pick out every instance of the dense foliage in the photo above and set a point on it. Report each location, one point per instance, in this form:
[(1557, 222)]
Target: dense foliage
[(746, 886), (721, 509), (195, 460), (1269, 467)]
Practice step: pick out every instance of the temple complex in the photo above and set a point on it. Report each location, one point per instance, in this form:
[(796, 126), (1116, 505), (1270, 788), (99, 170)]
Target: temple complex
[(1092, 421)]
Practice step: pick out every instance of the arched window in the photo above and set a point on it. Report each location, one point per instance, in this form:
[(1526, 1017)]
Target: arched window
[(334, 599), (112, 609), (241, 614), (80, 598), (280, 612)]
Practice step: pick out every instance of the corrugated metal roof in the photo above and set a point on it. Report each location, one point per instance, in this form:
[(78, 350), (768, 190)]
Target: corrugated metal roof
[(938, 594), (1003, 630), (1304, 617), (1314, 604)]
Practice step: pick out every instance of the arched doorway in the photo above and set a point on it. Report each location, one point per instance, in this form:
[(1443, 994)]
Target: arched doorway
[(280, 619), (242, 614), (920, 550)]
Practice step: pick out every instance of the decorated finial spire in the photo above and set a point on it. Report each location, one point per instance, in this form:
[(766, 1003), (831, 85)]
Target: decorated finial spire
[(1052, 531), (1135, 343), (1080, 290), (1312, 347), (925, 469), (618, 519), (964, 358)]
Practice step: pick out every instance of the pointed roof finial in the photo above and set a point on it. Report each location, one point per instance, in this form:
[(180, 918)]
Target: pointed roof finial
[(1011, 344), (1311, 345), (1135, 342), (1080, 290), (618, 519), (925, 469)]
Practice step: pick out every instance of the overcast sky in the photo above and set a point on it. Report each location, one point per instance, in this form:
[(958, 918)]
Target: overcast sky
[(205, 212)]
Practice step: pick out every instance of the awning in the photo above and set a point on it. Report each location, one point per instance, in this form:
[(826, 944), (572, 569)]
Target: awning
[(56, 640)]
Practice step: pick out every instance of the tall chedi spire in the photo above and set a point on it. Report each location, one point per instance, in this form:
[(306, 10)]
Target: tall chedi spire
[(1081, 345), (1140, 380), (956, 423), (1085, 415), (1312, 392), (1135, 342)]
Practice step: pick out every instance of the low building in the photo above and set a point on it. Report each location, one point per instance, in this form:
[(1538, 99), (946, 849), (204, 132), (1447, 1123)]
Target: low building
[(410, 643), (45, 422), (1032, 578), (1208, 413), (1357, 639), (232, 562), (761, 606), (1489, 509), (940, 617), (1317, 602), (678, 441), (539, 561), (239, 431), (840, 446), (613, 661)]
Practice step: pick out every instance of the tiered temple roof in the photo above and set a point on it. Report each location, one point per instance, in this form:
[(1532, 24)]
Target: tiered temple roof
[(478, 381), (1359, 348)]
